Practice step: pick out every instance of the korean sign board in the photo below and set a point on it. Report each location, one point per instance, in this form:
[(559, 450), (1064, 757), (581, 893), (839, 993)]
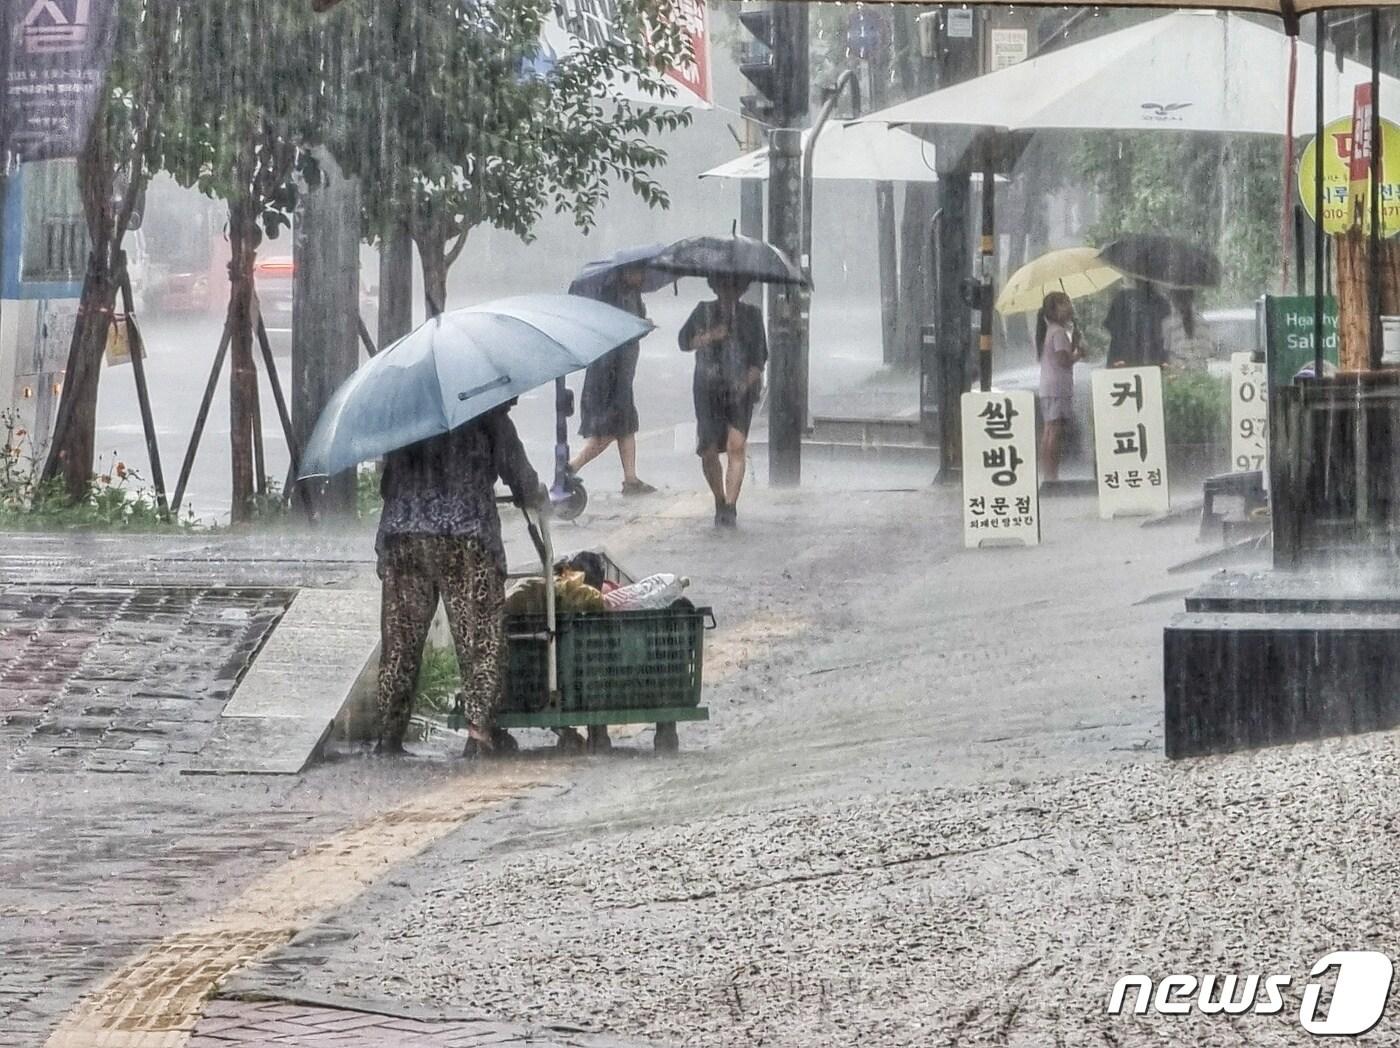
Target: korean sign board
[(593, 23), (1288, 335), (1249, 415), (55, 58), (1130, 444), (1001, 501), (1340, 209)]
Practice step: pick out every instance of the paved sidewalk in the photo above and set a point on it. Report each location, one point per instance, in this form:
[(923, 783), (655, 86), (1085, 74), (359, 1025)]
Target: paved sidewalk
[(121, 679), (242, 1023)]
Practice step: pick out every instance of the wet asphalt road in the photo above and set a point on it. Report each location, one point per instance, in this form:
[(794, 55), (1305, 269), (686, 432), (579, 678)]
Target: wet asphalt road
[(931, 808)]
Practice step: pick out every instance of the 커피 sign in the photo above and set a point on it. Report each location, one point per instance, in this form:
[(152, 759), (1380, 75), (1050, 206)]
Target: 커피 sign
[(1130, 442), (1001, 501)]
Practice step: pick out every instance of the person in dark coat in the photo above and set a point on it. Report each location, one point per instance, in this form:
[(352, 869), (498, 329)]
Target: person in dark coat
[(607, 408), (1136, 335), (731, 350)]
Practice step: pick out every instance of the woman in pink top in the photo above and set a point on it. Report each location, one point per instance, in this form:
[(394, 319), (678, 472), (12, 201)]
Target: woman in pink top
[(1057, 346)]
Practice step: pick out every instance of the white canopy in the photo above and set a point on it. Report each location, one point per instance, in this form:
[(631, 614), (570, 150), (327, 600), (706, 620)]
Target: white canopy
[(1187, 71), (853, 152)]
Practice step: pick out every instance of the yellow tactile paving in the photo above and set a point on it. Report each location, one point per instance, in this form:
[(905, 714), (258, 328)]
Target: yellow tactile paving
[(155, 999)]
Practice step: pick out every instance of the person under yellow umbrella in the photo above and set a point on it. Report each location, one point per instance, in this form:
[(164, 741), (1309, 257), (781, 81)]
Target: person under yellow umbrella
[(1076, 271)]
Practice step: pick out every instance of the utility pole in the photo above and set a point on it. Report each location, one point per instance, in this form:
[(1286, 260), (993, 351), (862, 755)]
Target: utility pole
[(778, 68), (326, 310), (951, 38)]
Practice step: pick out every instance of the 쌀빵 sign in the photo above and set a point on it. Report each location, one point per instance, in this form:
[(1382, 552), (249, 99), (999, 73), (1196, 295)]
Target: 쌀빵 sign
[(1001, 501)]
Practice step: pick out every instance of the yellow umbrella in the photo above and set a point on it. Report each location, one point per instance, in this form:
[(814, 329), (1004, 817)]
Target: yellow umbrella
[(1077, 271)]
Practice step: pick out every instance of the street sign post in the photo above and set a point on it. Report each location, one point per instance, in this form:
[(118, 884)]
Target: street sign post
[(1001, 500), (1130, 442)]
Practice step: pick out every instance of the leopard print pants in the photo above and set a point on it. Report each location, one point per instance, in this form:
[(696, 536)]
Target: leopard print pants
[(417, 570)]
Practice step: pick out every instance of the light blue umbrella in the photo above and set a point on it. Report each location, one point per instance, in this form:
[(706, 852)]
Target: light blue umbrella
[(458, 366)]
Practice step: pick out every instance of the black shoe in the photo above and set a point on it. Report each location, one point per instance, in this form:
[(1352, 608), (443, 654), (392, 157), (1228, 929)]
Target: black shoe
[(637, 487), (390, 748), (728, 517)]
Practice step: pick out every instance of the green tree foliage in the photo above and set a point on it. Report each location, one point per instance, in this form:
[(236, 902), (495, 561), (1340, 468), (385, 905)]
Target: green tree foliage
[(447, 132), (253, 82), (1221, 192)]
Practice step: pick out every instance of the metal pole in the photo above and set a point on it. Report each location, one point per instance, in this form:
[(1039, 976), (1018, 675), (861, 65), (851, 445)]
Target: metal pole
[(278, 398), (1299, 247), (143, 395), (984, 344), (1319, 53), (1374, 246), (365, 338), (785, 417), (201, 418), (259, 455)]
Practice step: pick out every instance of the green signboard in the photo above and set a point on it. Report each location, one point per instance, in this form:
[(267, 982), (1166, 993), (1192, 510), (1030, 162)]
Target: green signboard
[(1288, 334)]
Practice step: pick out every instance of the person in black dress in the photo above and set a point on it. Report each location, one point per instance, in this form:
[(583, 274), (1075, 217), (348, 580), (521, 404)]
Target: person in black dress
[(608, 410), (1136, 337), (731, 350)]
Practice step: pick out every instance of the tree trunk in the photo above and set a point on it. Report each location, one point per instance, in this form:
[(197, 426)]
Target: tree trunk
[(432, 252), (243, 377), (395, 287), (73, 449), (913, 275)]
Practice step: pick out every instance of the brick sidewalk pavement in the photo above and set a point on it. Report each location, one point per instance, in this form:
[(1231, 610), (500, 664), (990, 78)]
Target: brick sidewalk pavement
[(227, 1024)]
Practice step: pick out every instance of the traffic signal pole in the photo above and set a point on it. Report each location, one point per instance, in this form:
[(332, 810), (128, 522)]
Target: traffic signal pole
[(786, 419), (778, 68)]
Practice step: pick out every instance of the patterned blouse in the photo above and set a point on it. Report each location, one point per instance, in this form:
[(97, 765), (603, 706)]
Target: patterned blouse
[(446, 485)]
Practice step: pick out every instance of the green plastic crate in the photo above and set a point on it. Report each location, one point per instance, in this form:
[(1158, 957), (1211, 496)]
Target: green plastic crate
[(612, 660)]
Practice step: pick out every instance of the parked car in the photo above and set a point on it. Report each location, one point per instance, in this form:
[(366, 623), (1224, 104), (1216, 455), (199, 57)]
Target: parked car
[(275, 277)]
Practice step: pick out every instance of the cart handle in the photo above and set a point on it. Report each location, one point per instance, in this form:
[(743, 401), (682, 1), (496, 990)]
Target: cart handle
[(710, 623)]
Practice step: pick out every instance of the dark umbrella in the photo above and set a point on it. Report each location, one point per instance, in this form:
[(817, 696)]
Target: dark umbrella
[(1163, 260), (594, 277), (731, 256)]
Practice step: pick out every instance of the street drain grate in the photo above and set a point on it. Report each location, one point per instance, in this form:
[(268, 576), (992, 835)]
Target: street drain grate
[(122, 679)]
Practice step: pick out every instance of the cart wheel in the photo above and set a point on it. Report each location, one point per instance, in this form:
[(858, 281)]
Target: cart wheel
[(575, 499), (667, 741), (504, 746), (570, 741), (599, 741)]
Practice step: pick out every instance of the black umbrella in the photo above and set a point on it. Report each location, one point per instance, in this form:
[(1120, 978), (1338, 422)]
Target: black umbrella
[(731, 256), (1163, 260)]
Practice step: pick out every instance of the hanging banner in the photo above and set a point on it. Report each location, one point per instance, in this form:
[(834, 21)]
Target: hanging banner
[(55, 59), (1337, 196), (1001, 499), (1130, 442), (588, 23), (1249, 415)]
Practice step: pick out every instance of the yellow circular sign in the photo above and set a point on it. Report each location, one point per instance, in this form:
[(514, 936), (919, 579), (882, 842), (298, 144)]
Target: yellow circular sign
[(1339, 200)]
